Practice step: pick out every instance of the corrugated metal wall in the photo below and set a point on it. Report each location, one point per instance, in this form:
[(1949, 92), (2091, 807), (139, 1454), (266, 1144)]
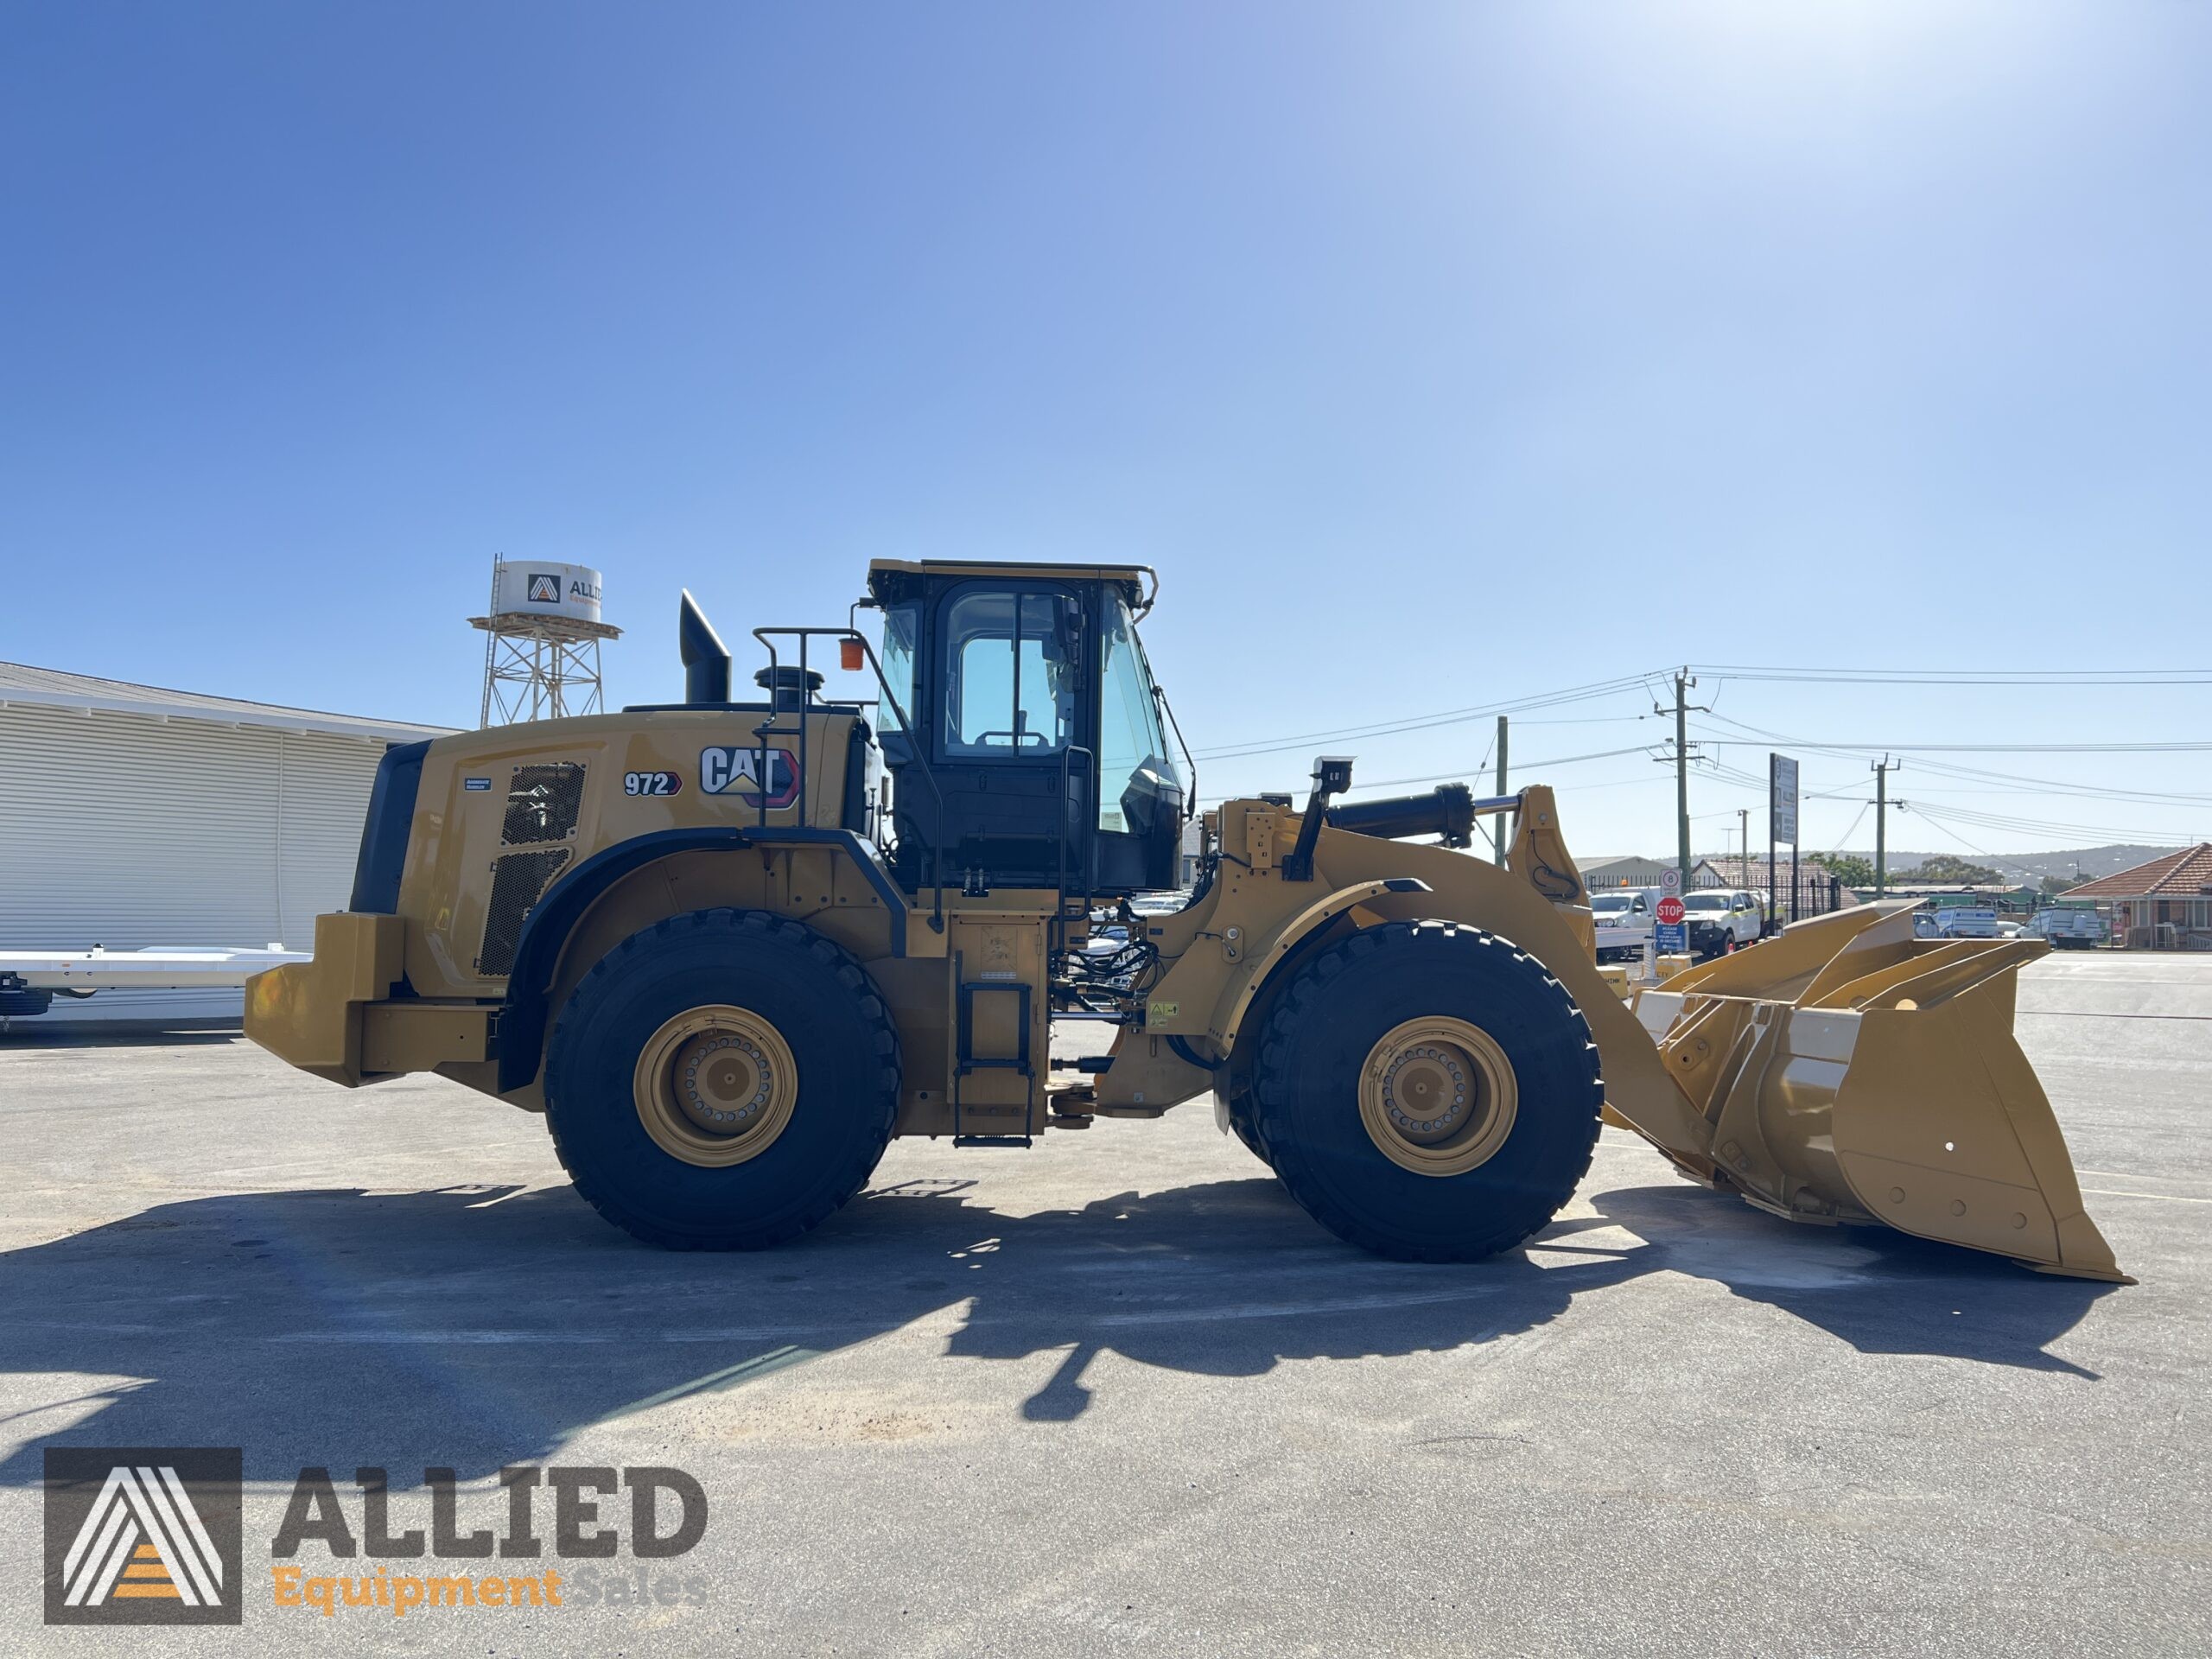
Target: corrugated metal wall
[(127, 830)]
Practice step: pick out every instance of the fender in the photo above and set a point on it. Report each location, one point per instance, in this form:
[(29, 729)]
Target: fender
[(524, 1015), (1236, 1000)]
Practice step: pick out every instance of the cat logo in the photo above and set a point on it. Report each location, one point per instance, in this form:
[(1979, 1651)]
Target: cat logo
[(544, 588), (739, 772), (143, 1535)]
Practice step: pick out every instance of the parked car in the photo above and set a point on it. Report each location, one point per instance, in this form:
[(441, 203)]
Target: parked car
[(1625, 918), (2069, 927), (1721, 920), (1968, 922), (1924, 925)]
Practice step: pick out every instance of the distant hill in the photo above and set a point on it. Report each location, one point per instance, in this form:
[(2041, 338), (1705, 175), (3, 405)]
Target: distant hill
[(2090, 862)]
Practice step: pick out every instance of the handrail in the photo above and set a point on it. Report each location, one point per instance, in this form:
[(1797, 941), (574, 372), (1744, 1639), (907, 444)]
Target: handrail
[(913, 742), (1058, 941), (1160, 696)]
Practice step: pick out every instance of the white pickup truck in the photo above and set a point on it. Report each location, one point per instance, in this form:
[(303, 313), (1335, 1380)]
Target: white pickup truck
[(1968, 922), (1721, 921), (1625, 916), (2069, 927)]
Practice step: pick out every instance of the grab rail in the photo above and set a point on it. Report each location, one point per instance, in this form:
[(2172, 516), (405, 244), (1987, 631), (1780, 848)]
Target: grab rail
[(767, 638)]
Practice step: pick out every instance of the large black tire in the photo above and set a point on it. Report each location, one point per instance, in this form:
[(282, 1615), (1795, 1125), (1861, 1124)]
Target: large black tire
[(818, 1001), (1243, 1126), (1249, 1135), (1330, 1018)]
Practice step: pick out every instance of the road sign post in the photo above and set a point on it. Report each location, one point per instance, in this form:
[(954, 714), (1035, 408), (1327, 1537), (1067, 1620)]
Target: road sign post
[(1781, 825), (1671, 936)]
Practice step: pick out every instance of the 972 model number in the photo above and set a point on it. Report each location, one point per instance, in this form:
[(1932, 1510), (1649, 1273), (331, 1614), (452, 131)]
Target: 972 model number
[(651, 783)]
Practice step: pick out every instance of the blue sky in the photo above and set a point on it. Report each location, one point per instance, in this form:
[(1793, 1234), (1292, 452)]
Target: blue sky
[(1436, 355)]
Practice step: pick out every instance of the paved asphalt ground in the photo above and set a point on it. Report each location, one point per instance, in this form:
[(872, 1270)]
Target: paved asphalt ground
[(1117, 1395)]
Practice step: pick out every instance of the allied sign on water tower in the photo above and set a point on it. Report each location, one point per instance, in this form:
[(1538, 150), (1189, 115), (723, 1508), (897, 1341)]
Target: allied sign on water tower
[(542, 661), (543, 587)]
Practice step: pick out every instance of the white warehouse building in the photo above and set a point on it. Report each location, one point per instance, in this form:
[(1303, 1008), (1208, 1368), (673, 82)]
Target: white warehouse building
[(133, 816)]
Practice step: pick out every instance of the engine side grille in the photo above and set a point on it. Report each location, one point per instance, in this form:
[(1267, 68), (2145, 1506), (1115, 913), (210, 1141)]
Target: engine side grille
[(543, 803), (519, 881)]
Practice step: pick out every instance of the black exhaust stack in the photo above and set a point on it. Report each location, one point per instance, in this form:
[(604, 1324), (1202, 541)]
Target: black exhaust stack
[(1448, 811), (706, 659)]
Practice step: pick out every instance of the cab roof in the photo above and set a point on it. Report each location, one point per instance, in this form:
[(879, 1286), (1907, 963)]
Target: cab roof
[(891, 579)]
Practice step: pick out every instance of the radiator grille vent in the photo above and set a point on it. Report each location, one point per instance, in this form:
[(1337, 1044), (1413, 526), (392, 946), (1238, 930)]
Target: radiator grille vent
[(543, 803), (519, 881)]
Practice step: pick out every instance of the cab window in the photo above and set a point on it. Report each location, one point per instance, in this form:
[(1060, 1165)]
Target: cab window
[(1010, 673), (902, 627), (1130, 741)]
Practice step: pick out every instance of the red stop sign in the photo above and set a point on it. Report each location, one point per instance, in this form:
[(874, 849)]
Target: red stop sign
[(1670, 911)]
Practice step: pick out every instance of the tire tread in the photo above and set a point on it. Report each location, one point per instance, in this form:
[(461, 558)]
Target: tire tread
[(766, 927), (1305, 999)]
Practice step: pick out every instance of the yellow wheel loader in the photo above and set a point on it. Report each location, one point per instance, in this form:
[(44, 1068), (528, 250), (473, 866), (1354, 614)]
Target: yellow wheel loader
[(730, 948)]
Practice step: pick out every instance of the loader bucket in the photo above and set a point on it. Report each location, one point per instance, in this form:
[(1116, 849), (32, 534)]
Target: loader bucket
[(1849, 1072)]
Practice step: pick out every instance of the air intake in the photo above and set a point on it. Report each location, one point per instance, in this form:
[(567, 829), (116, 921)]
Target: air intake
[(788, 687), (543, 803)]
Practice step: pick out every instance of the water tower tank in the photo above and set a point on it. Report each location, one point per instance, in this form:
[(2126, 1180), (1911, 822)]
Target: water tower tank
[(541, 660), (541, 587)]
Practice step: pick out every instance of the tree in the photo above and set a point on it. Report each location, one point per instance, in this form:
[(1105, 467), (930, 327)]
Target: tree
[(1852, 871), (1950, 870)]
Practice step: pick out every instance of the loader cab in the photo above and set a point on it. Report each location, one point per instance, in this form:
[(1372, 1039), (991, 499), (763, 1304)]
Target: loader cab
[(1029, 704)]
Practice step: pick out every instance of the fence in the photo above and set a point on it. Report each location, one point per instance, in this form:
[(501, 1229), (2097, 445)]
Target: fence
[(1816, 892)]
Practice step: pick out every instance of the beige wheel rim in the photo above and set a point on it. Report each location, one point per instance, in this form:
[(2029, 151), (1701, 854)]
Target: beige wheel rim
[(1438, 1096), (715, 1086)]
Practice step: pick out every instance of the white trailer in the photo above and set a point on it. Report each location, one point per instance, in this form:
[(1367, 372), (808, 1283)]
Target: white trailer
[(32, 980)]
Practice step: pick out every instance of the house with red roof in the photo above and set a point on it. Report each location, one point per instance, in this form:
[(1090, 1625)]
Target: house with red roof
[(2165, 904)]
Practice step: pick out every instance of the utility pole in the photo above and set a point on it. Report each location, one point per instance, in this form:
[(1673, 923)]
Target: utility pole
[(1883, 768), (1682, 776), (1683, 679), (1497, 824), (1744, 845)]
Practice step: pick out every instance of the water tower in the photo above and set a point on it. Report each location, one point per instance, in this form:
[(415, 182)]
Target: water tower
[(541, 660)]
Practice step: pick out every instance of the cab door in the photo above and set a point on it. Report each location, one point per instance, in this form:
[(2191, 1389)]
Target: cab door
[(1010, 672)]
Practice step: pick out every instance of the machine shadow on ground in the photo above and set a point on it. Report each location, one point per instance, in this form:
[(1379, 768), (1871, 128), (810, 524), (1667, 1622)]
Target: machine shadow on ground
[(474, 1327), (174, 1033)]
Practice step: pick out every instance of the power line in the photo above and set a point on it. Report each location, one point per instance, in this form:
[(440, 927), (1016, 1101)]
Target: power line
[(1842, 750), (1997, 860), (1997, 820), (2052, 786), (2067, 677), (1854, 751), (1712, 767), (1848, 829), (2057, 678), (1430, 721), (1458, 775), (2055, 826)]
